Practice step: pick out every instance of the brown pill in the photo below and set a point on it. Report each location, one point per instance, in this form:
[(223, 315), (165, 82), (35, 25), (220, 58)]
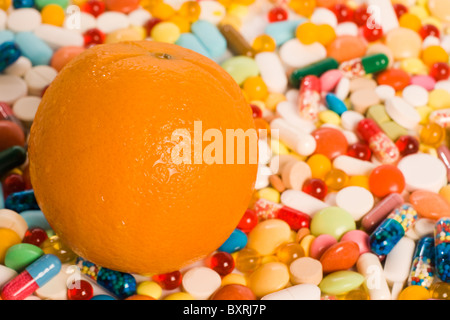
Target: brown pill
[(10, 135), (381, 210), (236, 42)]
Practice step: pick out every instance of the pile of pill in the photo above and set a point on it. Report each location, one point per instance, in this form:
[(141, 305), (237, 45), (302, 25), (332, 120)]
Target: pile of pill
[(352, 197)]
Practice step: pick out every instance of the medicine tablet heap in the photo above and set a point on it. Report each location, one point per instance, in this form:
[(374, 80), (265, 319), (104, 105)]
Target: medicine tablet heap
[(352, 198)]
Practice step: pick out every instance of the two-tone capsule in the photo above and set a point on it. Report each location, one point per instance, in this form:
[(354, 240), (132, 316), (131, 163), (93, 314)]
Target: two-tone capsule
[(392, 229), (309, 98), (360, 67), (122, 285), (422, 268), (442, 249), (32, 278)]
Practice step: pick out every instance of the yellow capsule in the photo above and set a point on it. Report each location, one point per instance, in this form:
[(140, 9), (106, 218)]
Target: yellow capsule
[(149, 288)]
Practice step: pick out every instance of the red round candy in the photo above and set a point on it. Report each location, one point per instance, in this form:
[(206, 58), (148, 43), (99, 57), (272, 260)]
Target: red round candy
[(407, 145), (429, 30), (396, 78), (294, 218), (316, 188), (13, 183), (80, 290), (372, 34), (35, 236), (233, 292), (440, 71), (221, 262), (256, 111), (330, 142), (343, 12), (277, 14), (94, 7), (168, 281), (92, 37), (248, 221), (360, 151), (360, 15), (400, 9), (386, 179)]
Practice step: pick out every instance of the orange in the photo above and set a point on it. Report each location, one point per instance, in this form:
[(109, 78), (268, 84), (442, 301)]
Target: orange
[(100, 156)]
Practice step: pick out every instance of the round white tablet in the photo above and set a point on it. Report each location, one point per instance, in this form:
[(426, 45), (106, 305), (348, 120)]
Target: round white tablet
[(56, 288), (356, 200), (111, 21), (402, 112), (423, 171), (19, 67), (25, 108), (24, 19), (201, 282), (324, 16), (6, 274), (415, 95), (385, 92), (12, 220), (347, 29), (12, 88), (139, 17), (350, 119), (294, 54), (38, 77)]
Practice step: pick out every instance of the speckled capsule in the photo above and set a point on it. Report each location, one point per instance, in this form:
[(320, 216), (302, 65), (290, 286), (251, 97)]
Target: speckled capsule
[(422, 268), (442, 249)]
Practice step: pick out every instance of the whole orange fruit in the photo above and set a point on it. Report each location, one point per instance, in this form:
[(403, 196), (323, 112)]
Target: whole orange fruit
[(100, 156)]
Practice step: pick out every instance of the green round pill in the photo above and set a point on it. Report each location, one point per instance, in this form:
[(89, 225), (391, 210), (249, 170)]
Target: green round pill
[(340, 282), (21, 255), (334, 221)]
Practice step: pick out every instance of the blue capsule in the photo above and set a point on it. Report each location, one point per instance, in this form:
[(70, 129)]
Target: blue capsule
[(235, 242), (210, 37), (23, 4), (21, 201), (442, 249), (9, 53), (102, 297), (422, 268), (283, 31), (335, 104)]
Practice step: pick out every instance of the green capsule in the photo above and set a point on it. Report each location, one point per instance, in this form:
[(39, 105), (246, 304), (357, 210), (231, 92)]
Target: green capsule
[(316, 69), (11, 158), (375, 63)]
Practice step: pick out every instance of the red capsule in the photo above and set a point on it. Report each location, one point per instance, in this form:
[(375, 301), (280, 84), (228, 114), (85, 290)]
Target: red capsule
[(294, 218)]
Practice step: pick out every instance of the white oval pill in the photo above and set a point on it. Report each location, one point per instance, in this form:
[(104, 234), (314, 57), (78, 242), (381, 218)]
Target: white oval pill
[(424, 227), (353, 166), (350, 119), (201, 282), (294, 54), (369, 266), (272, 71), (423, 171), (39, 77), (12, 88), (324, 16), (355, 200), (19, 67), (80, 22), (6, 274), (347, 29), (25, 108), (302, 201), (262, 177), (343, 88), (57, 37), (110, 21), (12, 220), (139, 17), (385, 92), (299, 141), (23, 19), (398, 261), (305, 291), (415, 95), (402, 112), (288, 111)]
